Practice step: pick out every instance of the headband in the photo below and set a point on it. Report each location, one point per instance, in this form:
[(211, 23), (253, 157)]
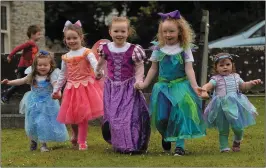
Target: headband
[(78, 23)]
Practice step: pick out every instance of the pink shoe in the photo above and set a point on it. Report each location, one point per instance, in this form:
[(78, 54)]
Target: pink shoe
[(83, 146)]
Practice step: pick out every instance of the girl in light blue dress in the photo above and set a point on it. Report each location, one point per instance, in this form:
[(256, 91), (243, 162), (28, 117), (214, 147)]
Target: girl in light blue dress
[(228, 106), (175, 105), (38, 106)]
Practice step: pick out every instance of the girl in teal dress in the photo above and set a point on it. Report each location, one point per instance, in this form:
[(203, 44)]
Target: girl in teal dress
[(175, 105)]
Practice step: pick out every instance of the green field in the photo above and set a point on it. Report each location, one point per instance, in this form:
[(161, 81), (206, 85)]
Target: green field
[(202, 152)]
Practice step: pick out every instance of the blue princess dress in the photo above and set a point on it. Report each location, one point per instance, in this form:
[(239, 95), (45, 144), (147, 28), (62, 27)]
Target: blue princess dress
[(228, 105), (175, 107), (41, 112)]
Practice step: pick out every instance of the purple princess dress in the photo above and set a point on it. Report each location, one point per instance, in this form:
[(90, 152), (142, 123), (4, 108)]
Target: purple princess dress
[(126, 121)]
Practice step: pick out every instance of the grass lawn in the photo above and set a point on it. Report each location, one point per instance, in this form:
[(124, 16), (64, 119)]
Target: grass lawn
[(203, 152)]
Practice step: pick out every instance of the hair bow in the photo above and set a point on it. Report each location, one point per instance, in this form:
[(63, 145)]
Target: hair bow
[(42, 52), (175, 15), (78, 23)]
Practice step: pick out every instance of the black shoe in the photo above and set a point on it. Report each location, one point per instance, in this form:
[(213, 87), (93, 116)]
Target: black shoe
[(4, 100), (106, 132), (179, 151), (33, 145), (166, 145)]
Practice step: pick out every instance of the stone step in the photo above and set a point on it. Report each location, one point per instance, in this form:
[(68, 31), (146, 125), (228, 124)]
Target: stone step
[(18, 121), (12, 121)]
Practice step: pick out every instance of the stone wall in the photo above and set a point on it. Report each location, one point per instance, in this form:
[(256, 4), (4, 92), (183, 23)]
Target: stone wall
[(23, 14)]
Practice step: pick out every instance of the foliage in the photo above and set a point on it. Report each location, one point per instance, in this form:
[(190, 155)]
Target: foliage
[(226, 17)]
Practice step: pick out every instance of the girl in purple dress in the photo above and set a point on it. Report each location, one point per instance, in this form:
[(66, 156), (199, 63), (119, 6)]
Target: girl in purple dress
[(126, 122), (228, 106)]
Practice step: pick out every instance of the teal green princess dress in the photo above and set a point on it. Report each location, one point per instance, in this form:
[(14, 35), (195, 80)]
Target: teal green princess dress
[(175, 108)]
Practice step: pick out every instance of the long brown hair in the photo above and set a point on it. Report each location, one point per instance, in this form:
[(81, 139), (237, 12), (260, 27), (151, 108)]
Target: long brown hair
[(34, 72), (214, 65)]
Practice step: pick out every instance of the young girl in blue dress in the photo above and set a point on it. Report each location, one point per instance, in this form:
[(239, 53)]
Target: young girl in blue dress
[(174, 105), (38, 106), (228, 106)]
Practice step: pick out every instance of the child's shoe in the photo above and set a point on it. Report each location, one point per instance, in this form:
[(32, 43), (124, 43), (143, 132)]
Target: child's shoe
[(179, 151), (33, 145), (83, 146), (236, 146), (4, 100), (225, 150), (44, 148), (74, 142), (166, 145)]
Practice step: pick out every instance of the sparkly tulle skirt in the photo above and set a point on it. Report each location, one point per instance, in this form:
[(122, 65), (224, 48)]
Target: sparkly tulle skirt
[(234, 108), (82, 102), (176, 111), (40, 115)]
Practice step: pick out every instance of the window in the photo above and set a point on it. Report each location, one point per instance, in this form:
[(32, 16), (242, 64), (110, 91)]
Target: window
[(259, 33), (5, 27)]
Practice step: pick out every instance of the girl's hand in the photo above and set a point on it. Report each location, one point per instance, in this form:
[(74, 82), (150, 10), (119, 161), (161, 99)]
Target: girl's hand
[(198, 90), (204, 95), (139, 85), (8, 59), (256, 82), (56, 95), (98, 76), (5, 81)]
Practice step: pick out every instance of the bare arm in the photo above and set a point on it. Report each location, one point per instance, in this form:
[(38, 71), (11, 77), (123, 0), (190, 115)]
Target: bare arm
[(62, 77), (190, 74), (139, 71), (100, 64), (15, 82), (151, 74), (245, 86), (192, 79), (207, 87)]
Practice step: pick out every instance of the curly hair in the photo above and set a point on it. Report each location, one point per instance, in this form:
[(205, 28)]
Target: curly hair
[(34, 72), (186, 34), (115, 19), (214, 65)]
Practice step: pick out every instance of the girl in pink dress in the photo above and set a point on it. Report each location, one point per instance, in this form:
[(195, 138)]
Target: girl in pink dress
[(83, 95)]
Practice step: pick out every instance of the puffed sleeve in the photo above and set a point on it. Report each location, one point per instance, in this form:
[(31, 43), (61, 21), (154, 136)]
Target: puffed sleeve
[(55, 75), (138, 54), (213, 80)]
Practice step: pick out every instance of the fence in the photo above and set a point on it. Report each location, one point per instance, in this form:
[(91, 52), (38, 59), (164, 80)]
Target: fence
[(250, 65)]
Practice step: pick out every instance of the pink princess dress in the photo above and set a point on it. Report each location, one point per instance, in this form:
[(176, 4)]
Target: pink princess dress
[(83, 94)]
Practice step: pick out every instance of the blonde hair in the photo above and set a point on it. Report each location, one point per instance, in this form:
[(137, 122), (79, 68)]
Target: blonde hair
[(115, 19), (77, 29), (214, 65), (186, 34), (34, 72)]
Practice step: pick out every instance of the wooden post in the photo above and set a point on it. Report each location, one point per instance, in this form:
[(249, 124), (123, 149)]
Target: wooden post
[(204, 34)]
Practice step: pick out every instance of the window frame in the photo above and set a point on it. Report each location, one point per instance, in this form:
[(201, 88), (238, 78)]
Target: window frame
[(7, 40), (259, 29)]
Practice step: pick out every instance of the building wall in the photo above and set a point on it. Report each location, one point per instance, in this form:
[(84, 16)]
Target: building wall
[(23, 14)]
